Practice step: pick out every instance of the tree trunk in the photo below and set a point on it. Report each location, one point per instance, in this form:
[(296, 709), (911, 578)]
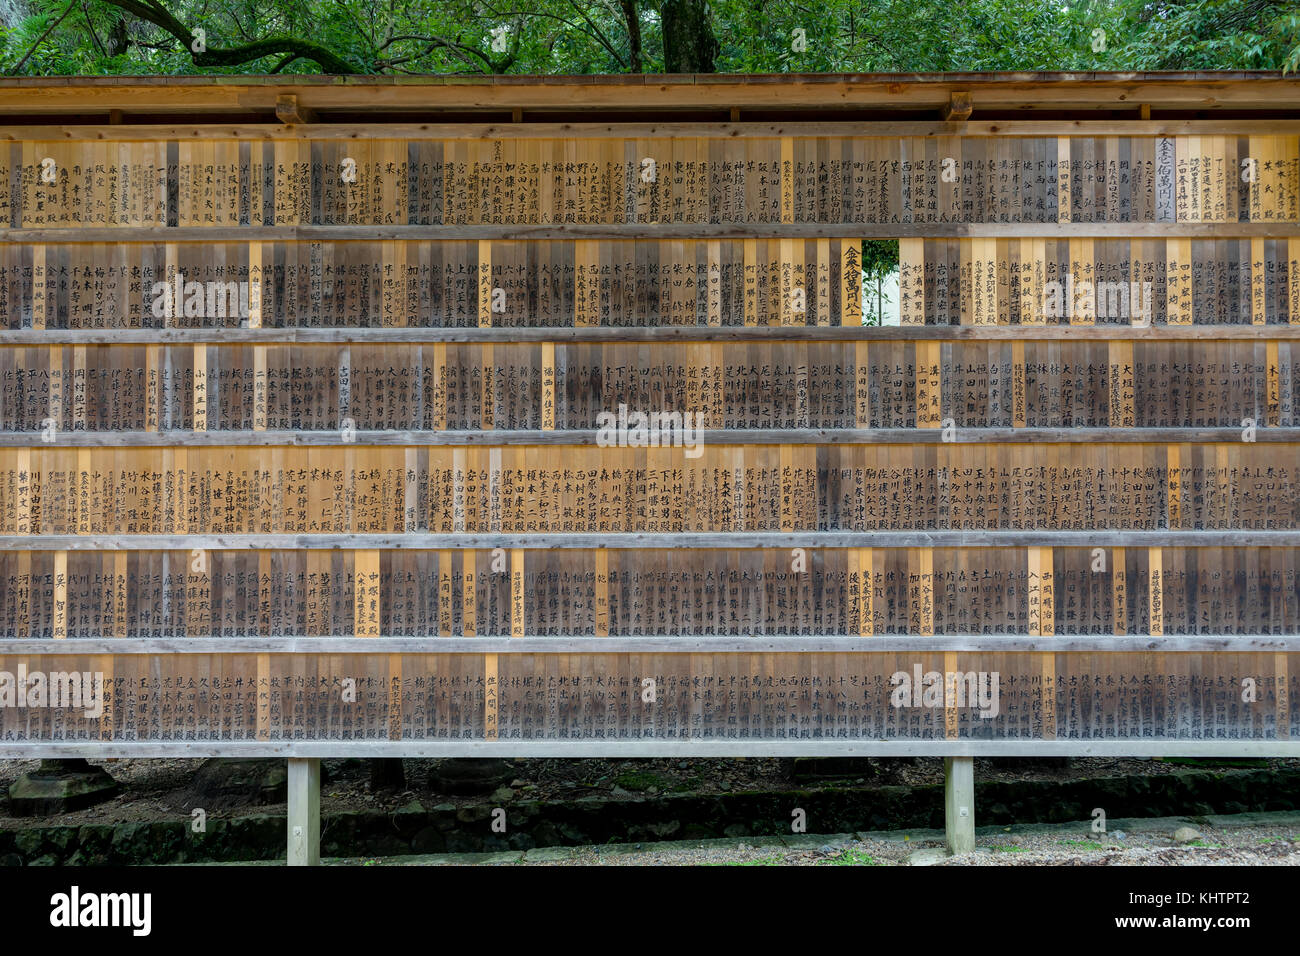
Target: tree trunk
[(117, 37), (633, 23), (689, 43)]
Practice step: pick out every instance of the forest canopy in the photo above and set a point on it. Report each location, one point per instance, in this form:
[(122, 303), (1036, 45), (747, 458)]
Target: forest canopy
[(468, 37)]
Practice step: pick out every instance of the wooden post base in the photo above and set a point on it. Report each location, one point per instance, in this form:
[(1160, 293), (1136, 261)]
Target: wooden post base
[(304, 812), (959, 803)]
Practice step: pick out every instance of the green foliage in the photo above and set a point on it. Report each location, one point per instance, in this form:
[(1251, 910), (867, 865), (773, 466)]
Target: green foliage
[(883, 36), (879, 257), (879, 261), (45, 37), (1215, 35)]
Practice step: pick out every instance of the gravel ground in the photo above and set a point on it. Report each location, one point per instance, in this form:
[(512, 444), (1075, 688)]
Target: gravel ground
[(1249, 839), (1070, 845)]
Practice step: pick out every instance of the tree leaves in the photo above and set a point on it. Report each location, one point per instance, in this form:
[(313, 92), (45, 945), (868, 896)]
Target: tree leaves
[(596, 36)]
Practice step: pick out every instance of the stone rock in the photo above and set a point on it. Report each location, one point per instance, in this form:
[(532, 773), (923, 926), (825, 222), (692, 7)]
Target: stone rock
[(665, 829), (94, 840), (470, 775), (256, 837), (410, 819), (60, 838), (29, 842), (429, 840), (476, 813), (147, 842), (60, 786), (459, 841), (1186, 834), (223, 782)]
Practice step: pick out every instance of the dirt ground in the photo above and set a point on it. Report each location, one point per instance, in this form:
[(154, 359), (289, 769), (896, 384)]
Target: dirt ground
[(159, 789)]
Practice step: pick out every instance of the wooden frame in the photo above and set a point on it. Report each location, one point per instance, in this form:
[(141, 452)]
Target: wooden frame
[(1176, 122)]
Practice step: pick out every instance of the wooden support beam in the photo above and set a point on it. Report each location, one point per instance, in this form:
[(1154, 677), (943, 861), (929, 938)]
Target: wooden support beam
[(645, 333), (615, 130), (958, 108), (1084, 93), (959, 804), (292, 113), (637, 540), (641, 749), (680, 232), (304, 811), (930, 432), (743, 643)]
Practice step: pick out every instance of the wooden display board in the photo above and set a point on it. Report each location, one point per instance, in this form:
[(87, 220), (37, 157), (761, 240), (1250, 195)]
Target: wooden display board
[(428, 437)]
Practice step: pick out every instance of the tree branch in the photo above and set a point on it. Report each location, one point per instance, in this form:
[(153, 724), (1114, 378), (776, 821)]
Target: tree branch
[(434, 43), (154, 12), (91, 27)]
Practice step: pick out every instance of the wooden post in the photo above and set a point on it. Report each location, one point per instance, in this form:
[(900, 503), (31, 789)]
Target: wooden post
[(292, 113), (959, 803), (304, 812), (958, 108)]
